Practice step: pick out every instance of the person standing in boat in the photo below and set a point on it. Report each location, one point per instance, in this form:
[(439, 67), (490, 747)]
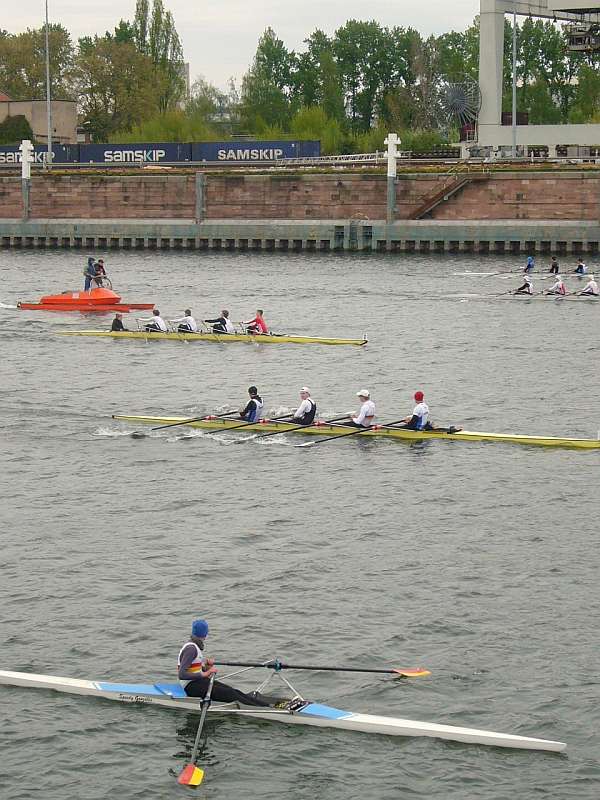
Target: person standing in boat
[(117, 324), (194, 672), (553, 266), (99, 272), (366, 413), (89, 274), (155, 323), (558, 287), (186, 324), (256, 325), (581, 268), (222, 324), (529, 266), (305, 413), (590, 289), (419, 419), (252, 411), (526, 288)]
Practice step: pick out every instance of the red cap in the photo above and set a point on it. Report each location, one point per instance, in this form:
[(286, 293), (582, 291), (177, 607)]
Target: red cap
[(419, 396)]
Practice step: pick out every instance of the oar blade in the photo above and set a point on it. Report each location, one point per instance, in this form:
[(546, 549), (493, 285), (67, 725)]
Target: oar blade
[(191, 776), (418, 672), (138, 435)]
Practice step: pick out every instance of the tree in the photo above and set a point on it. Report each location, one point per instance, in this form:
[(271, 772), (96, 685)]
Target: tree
[(267, 87), (14, 129), (23, 63), (156, 37), (116, 84)]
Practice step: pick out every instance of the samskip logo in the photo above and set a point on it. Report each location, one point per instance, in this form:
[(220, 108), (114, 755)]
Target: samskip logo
[(115, 156), (250, 154)]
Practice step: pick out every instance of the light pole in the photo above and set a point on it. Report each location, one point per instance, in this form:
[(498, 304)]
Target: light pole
[(514, 84), (48, 98)]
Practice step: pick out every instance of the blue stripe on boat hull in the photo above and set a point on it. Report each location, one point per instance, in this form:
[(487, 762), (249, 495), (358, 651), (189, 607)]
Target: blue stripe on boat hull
[(130, 688), (318, 710)]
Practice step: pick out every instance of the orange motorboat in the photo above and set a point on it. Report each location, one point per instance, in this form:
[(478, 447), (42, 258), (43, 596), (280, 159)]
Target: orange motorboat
[(99, 300)]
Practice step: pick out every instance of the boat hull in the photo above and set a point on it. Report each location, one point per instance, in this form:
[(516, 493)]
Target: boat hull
[(99, 300), (171, 695), (220, 338), (405, 434)]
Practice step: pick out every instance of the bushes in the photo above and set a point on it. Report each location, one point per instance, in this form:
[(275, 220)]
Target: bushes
[(14, 129)]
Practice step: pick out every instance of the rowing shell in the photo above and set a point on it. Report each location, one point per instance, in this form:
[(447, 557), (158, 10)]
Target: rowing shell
[(221, 338), (268, 426), (171, 695)]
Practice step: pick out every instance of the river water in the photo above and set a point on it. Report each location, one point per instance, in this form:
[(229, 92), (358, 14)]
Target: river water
[(479, 561)]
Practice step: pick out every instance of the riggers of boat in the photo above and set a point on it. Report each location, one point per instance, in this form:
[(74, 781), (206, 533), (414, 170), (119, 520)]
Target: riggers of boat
[(211, 423), (219, 338), (171, 695)]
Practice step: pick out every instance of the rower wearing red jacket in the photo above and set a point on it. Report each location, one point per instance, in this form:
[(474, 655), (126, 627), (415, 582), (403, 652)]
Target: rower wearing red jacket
[(258, 324)]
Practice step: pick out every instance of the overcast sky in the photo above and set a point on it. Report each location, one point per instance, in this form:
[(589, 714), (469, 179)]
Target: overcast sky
[(219, 37)]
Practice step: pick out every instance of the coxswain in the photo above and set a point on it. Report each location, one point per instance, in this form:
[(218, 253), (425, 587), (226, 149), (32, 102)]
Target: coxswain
[(366, 414), (558, 287), (155, 323), (418, 421), (529, 265), (186, 324), (99, 272), (591, 288), (581, 268), (222, 324), (526, 288), (553, 266), (117, 324), (194, 672), (89, 274), (256, 325), (252, 411), (305, 413)]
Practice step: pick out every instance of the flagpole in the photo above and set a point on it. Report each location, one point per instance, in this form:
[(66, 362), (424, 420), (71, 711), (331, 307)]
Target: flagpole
[(48, 98)]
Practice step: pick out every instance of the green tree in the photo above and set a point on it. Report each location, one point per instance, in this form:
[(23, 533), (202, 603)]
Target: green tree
[(267, 87), (23, 64), (14, 129), (156, 37)]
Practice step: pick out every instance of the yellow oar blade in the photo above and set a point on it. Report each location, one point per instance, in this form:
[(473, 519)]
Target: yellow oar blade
[(419, 672), (191, 776)]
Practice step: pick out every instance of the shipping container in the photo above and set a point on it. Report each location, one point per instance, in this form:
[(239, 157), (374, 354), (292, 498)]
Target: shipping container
[(137, 153), (248, 151), (10, 154)]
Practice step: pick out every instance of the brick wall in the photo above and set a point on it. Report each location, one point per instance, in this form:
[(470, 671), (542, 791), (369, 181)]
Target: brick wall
[(533, 196)]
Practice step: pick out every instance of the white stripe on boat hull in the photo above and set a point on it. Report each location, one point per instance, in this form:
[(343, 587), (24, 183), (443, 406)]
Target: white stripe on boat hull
[(313, 714)]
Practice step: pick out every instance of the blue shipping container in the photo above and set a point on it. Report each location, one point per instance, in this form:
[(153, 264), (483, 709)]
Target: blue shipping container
[(9, 154), (143, 153), (241, 151)]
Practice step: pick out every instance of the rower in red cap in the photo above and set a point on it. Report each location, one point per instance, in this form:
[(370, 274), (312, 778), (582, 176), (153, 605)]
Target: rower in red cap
[(420, 415)]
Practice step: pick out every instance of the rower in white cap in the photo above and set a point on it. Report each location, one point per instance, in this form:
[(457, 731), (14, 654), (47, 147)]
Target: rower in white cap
[(366, 414), (526, 288), (591, 288), (305, 413), (558, 287)]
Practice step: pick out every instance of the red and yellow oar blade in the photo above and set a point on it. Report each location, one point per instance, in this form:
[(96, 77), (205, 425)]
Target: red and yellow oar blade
[(419, 672), (191, 776)]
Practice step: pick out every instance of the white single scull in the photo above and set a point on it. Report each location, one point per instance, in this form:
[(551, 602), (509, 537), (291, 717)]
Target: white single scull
[(171, 695)]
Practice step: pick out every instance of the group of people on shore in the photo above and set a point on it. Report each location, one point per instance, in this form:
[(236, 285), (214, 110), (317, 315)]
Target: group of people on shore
[(187, 324), (306, 412)]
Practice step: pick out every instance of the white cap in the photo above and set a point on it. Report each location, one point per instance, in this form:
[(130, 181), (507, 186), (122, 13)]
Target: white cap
[(364, 393), (591, 277), (305, 389), (527, 279)]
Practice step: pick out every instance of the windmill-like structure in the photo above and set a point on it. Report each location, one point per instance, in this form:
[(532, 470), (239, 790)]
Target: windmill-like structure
[(459, 102)]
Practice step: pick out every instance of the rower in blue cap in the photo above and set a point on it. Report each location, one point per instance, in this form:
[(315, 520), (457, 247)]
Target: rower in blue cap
[(194, 672)]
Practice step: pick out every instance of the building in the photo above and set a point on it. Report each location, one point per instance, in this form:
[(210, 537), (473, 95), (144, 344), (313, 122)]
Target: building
[(64, 118)]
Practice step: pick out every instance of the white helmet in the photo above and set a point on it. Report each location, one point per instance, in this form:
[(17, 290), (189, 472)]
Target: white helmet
[(364, 393)]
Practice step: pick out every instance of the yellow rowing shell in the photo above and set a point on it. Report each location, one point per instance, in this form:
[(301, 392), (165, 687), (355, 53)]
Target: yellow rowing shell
[(221, 338), (383, 432)]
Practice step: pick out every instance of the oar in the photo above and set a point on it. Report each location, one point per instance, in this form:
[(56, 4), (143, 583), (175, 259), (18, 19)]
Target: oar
[(352, 433), (278, 665), (298, 427), (141, 434), (192, 775)]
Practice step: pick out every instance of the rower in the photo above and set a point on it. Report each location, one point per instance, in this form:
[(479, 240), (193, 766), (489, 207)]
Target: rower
[(89, 274), (529, 265), (186, 324), (366, 414), (117, 324), (526, 288), (222, 324), (581, 268), (258, 324), (194, 672), (99, 272), (558, 287), (252, 411), (155, 323), (305, 413), (591, 288), (418, 421), (553, 266)]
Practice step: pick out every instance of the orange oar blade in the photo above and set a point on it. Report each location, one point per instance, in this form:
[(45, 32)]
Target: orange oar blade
[(419, 672), (191, 776)]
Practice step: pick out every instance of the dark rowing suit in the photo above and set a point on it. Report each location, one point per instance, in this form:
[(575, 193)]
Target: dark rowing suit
[(117, 325)]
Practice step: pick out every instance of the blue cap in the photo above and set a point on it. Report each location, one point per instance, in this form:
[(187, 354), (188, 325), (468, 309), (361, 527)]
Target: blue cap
[(200, 628)]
